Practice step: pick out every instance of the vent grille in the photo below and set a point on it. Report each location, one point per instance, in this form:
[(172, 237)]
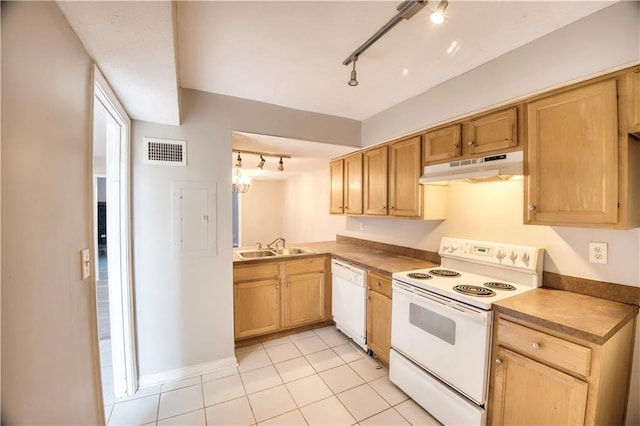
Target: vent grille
[(165, 152)]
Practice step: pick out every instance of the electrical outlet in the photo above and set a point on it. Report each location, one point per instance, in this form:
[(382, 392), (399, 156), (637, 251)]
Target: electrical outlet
[(85, 264), (362, 226), (598, 252)]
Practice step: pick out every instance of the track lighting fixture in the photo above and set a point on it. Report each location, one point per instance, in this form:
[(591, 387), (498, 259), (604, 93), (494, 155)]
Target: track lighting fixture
[(354, 81), (261, 164), (406, 10), (281, 164), (241, 178), (239, 161), (438, 16)]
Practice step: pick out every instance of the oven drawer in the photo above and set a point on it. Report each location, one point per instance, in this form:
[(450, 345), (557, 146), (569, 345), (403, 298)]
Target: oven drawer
[(544, 347), (379, 284)]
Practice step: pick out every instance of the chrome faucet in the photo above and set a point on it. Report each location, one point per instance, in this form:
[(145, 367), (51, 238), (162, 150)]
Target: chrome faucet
[(274, 244), (259, 245)]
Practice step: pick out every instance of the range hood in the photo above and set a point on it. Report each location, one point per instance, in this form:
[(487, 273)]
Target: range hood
[(480, 169)]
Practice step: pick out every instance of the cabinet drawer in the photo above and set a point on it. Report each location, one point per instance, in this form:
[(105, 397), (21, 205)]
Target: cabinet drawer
[(379, 284), (544, 347), (311, 264), (255, 272)]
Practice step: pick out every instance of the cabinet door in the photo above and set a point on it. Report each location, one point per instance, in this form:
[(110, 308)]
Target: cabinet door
[(492, 132), (336, 176), (527, 392), (573, 157), (256, 307), (304, 299), (405, 193), (353, 184), (633, 106), (442, 144), (379, 325), (375, 181)]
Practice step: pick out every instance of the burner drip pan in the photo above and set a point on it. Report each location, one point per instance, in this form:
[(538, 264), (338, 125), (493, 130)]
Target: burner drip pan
[(446, 273), (419, 276), (474, 290), (499, 286)]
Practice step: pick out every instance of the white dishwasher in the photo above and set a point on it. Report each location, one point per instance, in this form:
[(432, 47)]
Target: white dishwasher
[(349, 301)]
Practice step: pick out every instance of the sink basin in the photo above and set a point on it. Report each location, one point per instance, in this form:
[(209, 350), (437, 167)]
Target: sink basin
[(252, 254), (258, 253), (289, 251)]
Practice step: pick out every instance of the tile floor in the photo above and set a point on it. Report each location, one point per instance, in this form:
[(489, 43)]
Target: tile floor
[(311, 378)]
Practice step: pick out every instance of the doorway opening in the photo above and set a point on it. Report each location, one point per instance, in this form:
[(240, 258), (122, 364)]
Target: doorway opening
[(114, 292)]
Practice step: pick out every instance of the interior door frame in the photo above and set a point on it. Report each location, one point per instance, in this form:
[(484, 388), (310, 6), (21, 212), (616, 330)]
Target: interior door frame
[(104, 95)]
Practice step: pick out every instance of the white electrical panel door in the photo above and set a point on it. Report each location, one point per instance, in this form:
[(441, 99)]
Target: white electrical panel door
[(194, 218)]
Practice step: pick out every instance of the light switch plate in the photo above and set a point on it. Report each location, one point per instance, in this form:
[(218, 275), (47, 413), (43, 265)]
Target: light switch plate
[(85, 263)]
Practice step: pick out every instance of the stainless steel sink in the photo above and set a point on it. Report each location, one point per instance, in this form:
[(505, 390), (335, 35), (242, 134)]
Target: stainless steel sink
[(258, 253), (252, 254)]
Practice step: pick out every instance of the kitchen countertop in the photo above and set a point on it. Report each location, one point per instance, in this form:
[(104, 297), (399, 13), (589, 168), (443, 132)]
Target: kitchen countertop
[(380, 261), (586, 317)]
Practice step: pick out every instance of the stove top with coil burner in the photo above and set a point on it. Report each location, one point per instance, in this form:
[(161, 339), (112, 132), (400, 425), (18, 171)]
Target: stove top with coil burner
[(479, 273)]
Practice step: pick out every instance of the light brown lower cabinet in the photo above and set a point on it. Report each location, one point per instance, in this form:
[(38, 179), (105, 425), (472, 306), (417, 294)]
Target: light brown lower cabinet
[(274, 296), (543, 377), (379, 316)]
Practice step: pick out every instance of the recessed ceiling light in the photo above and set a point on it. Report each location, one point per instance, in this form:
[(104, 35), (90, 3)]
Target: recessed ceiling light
[(405, 72)]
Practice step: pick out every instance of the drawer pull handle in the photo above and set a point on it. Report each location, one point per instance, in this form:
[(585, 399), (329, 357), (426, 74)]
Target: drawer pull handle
[(535, 345), (498, 361), (378, 283)]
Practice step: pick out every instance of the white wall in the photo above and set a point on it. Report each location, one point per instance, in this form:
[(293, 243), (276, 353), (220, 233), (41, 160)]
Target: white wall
[(262, 212), (184, 305), (49, 343), (606, 40)]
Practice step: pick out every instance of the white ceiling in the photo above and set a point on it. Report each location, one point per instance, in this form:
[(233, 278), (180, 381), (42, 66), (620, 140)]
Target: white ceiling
[(290, 53)]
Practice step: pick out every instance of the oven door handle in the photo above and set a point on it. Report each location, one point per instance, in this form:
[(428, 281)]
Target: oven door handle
[(428, 298)]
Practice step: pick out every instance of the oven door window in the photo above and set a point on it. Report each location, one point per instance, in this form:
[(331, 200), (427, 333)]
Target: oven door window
[(433, 323)]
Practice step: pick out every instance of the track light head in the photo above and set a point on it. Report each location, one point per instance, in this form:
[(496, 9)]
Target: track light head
[(438, 16), (261, 164), (281, 165), (353, 81), (239, 161)]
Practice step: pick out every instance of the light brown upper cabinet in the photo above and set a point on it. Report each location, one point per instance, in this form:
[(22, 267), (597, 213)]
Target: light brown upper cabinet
[(484, 134), (405, 169), (345, 175), (491, 132), (633, 102), (573, 157), (443, 144), (336, 177), (375, 188)]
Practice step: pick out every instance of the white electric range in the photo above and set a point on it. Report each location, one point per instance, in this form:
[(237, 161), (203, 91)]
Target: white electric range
[(442, 320)]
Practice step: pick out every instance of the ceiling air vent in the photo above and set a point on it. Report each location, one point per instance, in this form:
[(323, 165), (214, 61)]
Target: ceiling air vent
[(165, 152)]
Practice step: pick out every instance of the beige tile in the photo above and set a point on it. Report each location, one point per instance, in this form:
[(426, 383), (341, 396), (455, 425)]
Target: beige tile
[(415, 414), (283, 352), (390, 392), (368, 369), (141, 393), (388, 417), (107, 413), (324, 360), (166, 387), (252, 360), (224, 389), (311, 345), (136, 411), (294, 369), (341, 378), (327, 412), (180, 401), (260, 379), (308, 390), (348, 353), (250, 348), (234, 412), (194, 418), (327, 329), (218, 374), (276, 342), (292, 418), (303, 335), (333, 338), (271, 402), (363, 402)]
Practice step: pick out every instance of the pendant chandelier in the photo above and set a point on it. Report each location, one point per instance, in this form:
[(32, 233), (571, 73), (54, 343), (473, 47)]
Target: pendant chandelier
[(240, 184)]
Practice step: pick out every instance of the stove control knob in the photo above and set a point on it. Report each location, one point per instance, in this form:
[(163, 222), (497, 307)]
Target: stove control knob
[(500, 254), (454, 246), (513, 256), (525, 257), (445, 246)]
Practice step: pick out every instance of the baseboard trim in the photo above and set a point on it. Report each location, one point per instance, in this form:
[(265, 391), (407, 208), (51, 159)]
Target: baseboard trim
[(186, 372)]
